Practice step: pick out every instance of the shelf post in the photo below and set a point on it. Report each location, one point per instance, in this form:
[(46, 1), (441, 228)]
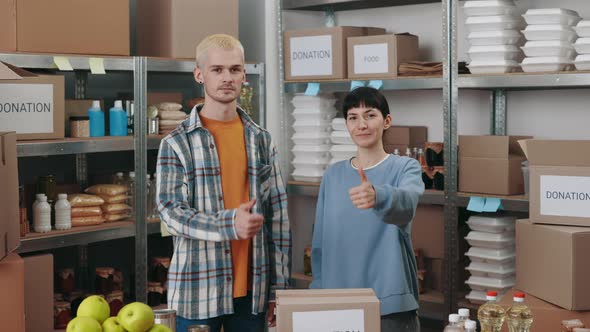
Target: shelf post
[(498, 112)]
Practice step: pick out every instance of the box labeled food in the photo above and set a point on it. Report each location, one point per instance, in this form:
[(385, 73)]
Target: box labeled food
[(9, 204), (552, 263), (73, 26), (12, 288), (559, 175), (328, 310), (39, 293), (8, 25), (491, 165), (379, 56), (174, 28), (30, 104), (316, 54)]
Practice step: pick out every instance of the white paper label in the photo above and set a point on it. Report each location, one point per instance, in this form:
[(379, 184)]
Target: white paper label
[(566, 196), (329, 321), (371, 59), (311, 56), (26, 108)]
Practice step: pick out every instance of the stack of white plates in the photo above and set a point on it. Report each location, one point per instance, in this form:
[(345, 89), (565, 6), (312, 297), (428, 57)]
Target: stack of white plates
[(550, 38), (493, 36), (313, 125), (582, 45), (492, 255), (343, 148)]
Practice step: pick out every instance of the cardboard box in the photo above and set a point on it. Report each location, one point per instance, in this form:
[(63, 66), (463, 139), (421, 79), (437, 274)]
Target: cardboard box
[(9, 205), (12, 288), (546, 317), (30, 104), (154, 98), (552, 263), (491, 165), (328, 310), (8, 25), (379, 56), (428, 231), (559, 177), (174, 28), (435, 269), (77, 107), (316, 54), (403, 137), (73, 26), (39, 293)]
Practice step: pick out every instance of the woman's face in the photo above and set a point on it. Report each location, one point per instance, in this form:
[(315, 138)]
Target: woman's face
[(366, 126)]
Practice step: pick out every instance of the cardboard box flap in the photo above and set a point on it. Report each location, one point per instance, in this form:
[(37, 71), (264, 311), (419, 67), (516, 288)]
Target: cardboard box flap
[(556, 152), (7, 72), (490, 146), (283, 293), (328, 300)]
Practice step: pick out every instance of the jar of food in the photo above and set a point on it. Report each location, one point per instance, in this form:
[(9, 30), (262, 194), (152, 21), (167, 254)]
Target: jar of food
[(79, 126), (159, 269), (103, 280), (61, 315), (47, 185), (118, 281), (66, 280), (116, 301), (198, 328), (155, 292)]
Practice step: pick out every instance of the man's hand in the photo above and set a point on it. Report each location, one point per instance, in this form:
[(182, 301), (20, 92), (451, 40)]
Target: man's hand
[(270, 314), (363, 196), (247, 224)]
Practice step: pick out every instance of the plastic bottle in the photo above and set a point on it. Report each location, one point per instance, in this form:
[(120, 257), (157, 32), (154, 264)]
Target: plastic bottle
[(408, 153), (491, 315), (120, 179), (463, 316), (453, 324), (396, 152), (519, 317), (42, 216), (421, 158), (131, 183), (117, 120), (37, 200), (96, 116), (470, 326), (63, 213)]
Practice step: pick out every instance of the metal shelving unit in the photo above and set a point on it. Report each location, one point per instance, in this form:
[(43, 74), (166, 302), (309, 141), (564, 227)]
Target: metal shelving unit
[(526, 81), (81, 145), (338, 5), (402, 83)]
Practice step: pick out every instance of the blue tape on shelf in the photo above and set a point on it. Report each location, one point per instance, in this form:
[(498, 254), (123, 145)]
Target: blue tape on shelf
[(312, 89), (476, 204), (377, 84), (356, 84), (492, 205)]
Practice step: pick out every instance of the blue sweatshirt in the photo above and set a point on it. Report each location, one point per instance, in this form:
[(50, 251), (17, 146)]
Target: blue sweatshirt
[(355, 248)]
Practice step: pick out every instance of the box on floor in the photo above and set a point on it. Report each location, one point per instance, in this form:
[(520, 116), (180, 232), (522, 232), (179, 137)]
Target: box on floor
[(38, 293), (328, 309), (379, 56), (559, 173), (320, 53), (65, 26), (552, 263), (174, 28), (546, 317), (491, 165), (12, 288), (9, 204), (30, 104)]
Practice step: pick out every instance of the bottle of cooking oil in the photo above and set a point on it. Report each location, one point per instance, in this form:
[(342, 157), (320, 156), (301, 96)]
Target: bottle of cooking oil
[(453, 324), (491, 314), (519, 317)]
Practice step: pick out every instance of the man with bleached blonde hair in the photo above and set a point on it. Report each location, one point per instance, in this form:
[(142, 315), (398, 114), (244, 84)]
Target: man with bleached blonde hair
[(221, 195)]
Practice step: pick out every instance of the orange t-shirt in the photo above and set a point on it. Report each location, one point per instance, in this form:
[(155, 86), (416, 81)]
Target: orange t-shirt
[(231, 150)]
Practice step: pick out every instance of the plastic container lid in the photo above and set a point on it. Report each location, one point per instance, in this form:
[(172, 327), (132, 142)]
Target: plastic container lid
[(583, 58), (118, 104), (480, 269), (62, 196), (548, 43), (454, 318), (491, 240), (484, 283), (551, 11), (487, 63), (343, 148), (491, 224), (463, 312), (487, 255), (492, 19), (317, 135), (96, 104), (311, 173), (489, 23), (546, 60), (489, 7), (487, 3), (493, 48), (493, 34), (583, 41), (309, 161)]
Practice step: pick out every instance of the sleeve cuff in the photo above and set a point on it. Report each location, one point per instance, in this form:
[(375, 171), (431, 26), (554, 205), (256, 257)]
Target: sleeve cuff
[(228, 224), (380, 197)]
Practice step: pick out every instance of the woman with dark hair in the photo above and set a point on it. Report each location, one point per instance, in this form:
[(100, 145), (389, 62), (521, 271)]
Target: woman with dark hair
[(364, 213)]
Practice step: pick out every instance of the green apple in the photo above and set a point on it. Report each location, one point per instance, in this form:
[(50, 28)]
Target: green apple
[(112, 325), (159, 328), (83, 324), (95, 307), (136, 317)]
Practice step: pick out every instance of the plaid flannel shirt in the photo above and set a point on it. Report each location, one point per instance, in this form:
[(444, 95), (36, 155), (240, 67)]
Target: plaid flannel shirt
[(190, 202)]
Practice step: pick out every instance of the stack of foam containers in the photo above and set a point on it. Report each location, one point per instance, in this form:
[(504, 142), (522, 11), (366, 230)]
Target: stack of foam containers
[(313, 124), (492, 256), (343, 147), (550, 38), (493, 36), (582, 45)]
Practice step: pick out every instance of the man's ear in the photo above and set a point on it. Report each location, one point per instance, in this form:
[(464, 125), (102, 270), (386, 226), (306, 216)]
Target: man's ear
[(198, 75)]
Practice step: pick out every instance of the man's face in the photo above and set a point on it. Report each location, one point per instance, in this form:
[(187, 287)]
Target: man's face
[(222, 73)]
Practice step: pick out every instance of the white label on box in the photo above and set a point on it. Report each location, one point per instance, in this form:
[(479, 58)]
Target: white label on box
[(26, 108), (311, 55), (371, 59), (329, 321), (565, 196)]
